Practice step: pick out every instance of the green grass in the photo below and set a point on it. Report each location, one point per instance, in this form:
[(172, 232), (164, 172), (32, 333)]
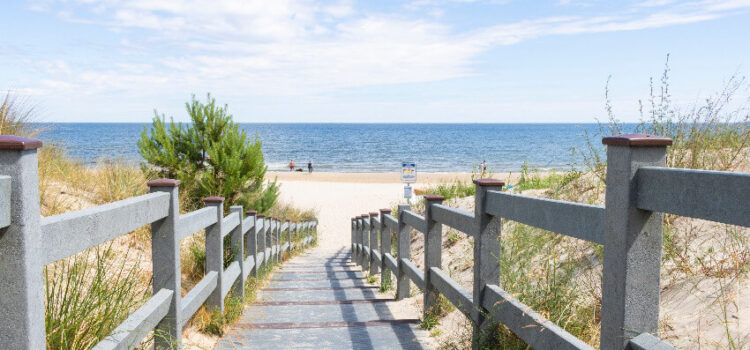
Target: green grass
[(531, 179), (456, 189), (541, 269), (432, 317), (452, 238), (88, 296)]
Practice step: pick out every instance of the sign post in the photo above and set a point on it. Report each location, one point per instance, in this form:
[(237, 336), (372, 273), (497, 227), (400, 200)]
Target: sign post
[(408, 176)]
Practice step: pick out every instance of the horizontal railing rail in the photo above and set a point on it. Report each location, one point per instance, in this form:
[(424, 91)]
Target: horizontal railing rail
[(577, 220), (452, 291), (195, 221), (132, 331), (458, 219), (36, 241), (710, 195), (415, 221), (628, 227), (73, 232)]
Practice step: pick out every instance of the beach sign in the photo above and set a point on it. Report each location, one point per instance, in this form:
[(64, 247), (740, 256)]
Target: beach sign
[(408, 172)]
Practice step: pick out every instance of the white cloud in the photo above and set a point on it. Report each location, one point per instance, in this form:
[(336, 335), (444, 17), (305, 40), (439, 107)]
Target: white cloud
[(289, 47)]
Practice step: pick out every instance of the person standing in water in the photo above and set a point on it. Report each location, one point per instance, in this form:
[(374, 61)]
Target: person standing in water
[(291, 165), (309, 166)]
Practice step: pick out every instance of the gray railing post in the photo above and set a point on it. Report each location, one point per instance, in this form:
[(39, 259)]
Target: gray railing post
[(433, 244), (165, 257), (289, 235), (279, 222), (385, 247), (404, 252), (374, 265), (358, 235), (238, 250), (261, 237), (486, 256), (354, 241), (21, 282), (271, 237), (632, 243), (215, 253), (251, 243), (366, 242)]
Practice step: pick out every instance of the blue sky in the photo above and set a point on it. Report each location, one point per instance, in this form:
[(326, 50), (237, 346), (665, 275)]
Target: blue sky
[(355, 61)]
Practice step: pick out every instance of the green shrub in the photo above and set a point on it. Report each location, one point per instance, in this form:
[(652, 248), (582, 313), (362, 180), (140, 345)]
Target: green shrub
[(212, 156)]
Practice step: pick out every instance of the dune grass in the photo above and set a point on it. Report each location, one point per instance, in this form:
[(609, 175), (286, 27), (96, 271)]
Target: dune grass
[(87, 296)]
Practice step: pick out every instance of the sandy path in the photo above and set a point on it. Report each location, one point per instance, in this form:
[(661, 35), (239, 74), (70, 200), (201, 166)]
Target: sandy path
[(337, 202)]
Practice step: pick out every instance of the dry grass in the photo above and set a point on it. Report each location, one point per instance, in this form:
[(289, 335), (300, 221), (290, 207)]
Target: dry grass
[(16, 116)]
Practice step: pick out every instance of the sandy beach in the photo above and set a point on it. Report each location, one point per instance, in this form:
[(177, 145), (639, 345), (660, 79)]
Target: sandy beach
[(337, 197)]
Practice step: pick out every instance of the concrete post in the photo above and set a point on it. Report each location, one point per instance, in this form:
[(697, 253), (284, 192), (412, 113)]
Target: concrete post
[(433, 246), (354, 240), (270, 238), (165, 257), (261, 237), (215, 253), (21, 286), (404, 252), (366, 242), (632, 243), (238, 250), (251, 243), (358, 237), (289, 235), (279, 222), (385, 247), (486, 256), (374, 266)]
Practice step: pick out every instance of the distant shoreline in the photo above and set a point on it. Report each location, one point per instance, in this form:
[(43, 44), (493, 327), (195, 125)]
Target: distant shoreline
[(423, 178)]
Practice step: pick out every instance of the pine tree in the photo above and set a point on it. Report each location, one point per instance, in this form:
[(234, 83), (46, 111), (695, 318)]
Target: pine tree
[(211, 156)]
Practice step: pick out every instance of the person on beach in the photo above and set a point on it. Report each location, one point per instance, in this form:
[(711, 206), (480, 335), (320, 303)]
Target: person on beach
[(309, 166), (291, 165)]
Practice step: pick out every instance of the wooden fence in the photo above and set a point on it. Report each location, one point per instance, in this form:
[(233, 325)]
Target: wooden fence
[(28, 242), (629, 227)]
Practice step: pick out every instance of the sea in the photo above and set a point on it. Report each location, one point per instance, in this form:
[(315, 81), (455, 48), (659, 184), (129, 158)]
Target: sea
[(365, 147)]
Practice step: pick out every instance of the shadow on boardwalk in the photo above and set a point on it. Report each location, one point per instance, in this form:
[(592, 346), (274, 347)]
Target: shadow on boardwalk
[(318, 300)]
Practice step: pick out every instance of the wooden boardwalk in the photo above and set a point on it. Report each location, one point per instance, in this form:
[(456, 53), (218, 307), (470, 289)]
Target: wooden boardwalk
[(321, 300)]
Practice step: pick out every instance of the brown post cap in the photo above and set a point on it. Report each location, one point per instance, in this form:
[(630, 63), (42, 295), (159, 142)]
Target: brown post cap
[(18, 143), (374, 213), (385, 211), (213, 199), (358, 217), (637, 140), (489, 182), (287, 220), (433, 197), (163, 183), (365, 216), (251, 212), (261, 215)]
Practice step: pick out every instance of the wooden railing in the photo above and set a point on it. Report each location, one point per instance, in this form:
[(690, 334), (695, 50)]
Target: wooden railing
[(28, 242), (639, 189)]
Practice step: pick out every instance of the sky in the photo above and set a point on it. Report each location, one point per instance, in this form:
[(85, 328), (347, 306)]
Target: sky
[(442, 61)]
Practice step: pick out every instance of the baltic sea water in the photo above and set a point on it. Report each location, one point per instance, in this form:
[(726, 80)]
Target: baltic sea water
[(364, 147)]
